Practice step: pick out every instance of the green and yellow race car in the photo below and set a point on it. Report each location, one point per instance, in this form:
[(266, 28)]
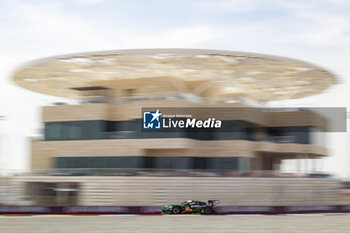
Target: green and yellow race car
[(190, 207)]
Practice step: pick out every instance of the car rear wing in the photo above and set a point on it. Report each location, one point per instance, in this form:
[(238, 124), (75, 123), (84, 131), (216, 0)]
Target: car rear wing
[(213, 202)]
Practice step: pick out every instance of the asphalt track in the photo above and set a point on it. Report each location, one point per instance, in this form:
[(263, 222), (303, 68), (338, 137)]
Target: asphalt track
[(320, 223)]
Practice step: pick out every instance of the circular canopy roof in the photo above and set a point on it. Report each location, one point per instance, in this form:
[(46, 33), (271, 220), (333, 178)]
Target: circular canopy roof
[(205, 73)]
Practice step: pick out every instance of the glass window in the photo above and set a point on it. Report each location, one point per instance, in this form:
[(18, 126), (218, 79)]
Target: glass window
[(244, 164), (149, 162), (183, 162), (292, 134), (200, 163), (74, 132), (111, 126), (234, 130), (52, 131), (165, 162), (84, 130), (81, 162), (98, 162), (224, 163), (62, 162)]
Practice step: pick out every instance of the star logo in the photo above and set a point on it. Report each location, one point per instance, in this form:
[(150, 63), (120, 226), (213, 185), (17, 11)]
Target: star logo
[(156, 115)]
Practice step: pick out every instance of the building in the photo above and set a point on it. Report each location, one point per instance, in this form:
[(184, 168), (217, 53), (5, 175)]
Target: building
[(100, 133)]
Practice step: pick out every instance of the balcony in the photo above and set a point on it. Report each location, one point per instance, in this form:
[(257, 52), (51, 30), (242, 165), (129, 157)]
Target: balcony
[(280, 139)]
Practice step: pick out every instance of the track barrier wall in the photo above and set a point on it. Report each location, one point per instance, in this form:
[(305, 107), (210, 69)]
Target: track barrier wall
[(157, 209)]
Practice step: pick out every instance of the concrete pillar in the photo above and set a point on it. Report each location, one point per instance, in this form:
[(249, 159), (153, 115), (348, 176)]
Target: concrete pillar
[(307, 161), (277, 164), (298, 165), (314, 165)]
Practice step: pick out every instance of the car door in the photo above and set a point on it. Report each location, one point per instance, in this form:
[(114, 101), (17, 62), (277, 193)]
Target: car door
[(197, 206)]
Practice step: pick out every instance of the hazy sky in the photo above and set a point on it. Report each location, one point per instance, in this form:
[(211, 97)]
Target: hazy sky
[(317, 31)]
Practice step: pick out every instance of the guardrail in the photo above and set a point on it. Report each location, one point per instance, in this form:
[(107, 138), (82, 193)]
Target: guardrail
[(170, 172), (221, 210)]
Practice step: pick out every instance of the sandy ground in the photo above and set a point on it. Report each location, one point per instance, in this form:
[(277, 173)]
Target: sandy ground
[(191, 223)]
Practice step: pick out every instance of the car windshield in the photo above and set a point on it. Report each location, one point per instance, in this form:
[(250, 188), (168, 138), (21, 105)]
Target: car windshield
[(185, 202)]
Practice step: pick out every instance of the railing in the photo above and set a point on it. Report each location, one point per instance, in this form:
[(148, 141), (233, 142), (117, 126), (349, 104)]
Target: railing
[(119, 135), (272, 109), (121, 100), (284, 139), (279, 139), (169, 173), (179, 134)]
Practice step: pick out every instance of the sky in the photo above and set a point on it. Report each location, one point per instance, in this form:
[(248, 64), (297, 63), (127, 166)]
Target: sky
[(317, 31)]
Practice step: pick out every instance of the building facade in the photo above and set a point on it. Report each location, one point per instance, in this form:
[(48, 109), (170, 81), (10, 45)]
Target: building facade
[(101, 133), (97, 136)]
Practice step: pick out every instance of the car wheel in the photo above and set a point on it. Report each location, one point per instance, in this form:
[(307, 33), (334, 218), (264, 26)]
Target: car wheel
[(208, 210), (176, 210)]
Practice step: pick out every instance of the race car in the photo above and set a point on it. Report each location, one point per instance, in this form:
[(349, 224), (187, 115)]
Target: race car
[(190, 207)]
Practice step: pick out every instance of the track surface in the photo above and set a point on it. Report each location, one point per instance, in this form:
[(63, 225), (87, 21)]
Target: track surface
[(323, 223)]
